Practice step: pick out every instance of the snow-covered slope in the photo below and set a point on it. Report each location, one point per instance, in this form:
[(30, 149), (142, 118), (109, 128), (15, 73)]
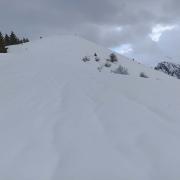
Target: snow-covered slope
[(62, 119)]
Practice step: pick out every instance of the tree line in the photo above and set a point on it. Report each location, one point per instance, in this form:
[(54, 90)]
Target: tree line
[(11, 39)]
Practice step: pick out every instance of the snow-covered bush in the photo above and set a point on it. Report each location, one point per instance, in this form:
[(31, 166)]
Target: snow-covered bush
[(143, 75), (97, 59), (113, 57), (107, 64), (121, 70), (100, 68), (86, 59)]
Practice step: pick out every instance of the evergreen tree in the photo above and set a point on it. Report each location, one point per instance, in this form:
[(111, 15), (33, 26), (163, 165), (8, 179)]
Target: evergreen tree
[(25, 40), (3, 49), (113, 58), (1, 38), (13, 39), (7, 40), (21, 41)]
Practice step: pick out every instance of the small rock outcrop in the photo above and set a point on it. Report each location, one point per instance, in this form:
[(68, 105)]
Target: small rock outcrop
[(169, 68)]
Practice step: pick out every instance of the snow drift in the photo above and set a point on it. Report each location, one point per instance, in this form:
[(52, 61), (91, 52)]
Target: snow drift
[(61, 118)]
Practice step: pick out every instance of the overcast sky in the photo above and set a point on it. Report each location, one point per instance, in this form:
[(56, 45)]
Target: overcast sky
[(147, 30)]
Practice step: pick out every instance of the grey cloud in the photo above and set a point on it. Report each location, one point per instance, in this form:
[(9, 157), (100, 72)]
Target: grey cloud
[(95, 20)]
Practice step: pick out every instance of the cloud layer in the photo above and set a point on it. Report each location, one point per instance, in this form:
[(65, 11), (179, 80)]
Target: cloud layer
[(111, 23)]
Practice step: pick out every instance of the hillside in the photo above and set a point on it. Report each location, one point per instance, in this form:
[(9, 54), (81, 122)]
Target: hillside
[(62, 119)]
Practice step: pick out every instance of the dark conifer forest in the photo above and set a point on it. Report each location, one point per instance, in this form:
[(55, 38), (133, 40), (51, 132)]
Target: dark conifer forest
[(10, 39)]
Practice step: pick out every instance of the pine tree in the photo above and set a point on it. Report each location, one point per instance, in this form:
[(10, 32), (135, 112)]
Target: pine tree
[(7, 40), (113, 57), (25, 40), (13, 39), (20, 41), (1, 38), (3, 49)]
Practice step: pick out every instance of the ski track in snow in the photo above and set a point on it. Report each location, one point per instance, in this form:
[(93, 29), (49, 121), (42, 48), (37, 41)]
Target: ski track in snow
[(61, 118)]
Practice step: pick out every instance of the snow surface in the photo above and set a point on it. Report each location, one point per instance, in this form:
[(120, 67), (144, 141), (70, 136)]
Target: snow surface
[(62, 119)]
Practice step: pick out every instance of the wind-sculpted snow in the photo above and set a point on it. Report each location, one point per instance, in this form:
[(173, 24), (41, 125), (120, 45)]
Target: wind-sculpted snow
[(61, 118)]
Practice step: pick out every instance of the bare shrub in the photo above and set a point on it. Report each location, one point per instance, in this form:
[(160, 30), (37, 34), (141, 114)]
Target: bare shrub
[(143, 75), (107, 64), (97, 59), (86, 59), (121, 70)]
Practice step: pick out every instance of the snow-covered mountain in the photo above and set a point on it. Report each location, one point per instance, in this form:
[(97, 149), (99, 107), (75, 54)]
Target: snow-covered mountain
[(169, 68), (63, 119)]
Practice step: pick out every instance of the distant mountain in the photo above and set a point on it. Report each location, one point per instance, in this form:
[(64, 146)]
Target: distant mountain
[(169, 68)]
